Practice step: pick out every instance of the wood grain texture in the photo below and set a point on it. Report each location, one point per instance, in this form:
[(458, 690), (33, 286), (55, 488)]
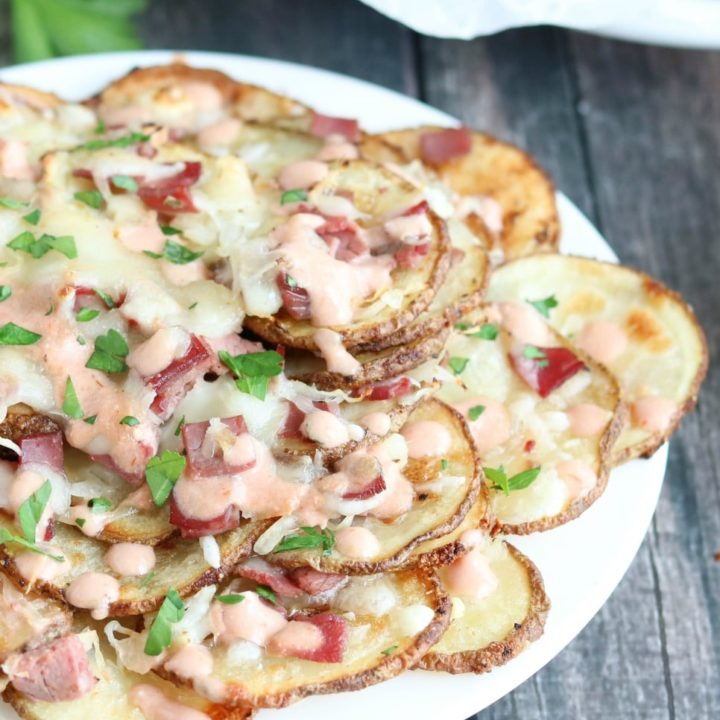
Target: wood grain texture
[(632, 135)]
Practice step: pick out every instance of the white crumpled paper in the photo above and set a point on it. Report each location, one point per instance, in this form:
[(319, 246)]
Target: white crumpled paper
[(690, 23)]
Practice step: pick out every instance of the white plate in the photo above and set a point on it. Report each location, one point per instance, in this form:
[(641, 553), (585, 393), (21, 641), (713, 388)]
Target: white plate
[(581, 562)]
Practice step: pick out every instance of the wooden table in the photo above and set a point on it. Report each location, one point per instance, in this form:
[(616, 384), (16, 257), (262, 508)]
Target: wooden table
[(632, 134)]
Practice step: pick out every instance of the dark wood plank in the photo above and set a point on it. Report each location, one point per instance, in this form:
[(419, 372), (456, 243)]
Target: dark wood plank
[(342, 35), (653, 129)]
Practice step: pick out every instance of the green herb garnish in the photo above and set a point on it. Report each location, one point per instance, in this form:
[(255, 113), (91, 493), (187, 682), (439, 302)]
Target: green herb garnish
[(501, 481), (71, 404), (121, 142), (544, 306), (169, 230), (109, 302), (171, 611), (179, 254), (230, 599), (130, 421), (37, 247), (309, 538), (12, 204), (33, 217), (12, 334), (162, 472), (90, 420), (292, 196), (179, 427), (7, 537), (146, 579), (91, 198), (444, 464), (265, 592), (124, 182), (476, 411), (458, 364), (86, 314), (99, 505), (389, 650), (110, 353), (5, 292), (253, 371), (30, 512), (535, 353)]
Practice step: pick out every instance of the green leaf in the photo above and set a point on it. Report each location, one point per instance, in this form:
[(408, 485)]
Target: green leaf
[(71, 404), (171, 611), (179, 254), (292, 196), (90, 420), (86, 314), (309, 538), (458, 364), (7, 537), (64, 244), (12, 204), (389, 650), (444, 464), (253, 371), (12, 334), (80, 522), (100, 128), (33, 218), (124, 182), (147, 579), (121, 142), (476, 411), (105, 298), (162, 472), (130, 421), (255, 386), (169, 230), (520, 481), (109, 354), (230, 599), (535, 353), (91, 198), (178, 428), (30, 512), (99, 505), (545, 305), (265, 592), (37, 247), (5, 292), (487, 331)]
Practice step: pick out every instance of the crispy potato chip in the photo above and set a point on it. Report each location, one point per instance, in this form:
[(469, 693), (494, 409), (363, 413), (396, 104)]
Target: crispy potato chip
[(491, 630), (179, 564), (110, 699), (377, 193), (443, 497), (188, 98), (645, 334), (498, 170), (392, 620), (517, 430), (375, 366)]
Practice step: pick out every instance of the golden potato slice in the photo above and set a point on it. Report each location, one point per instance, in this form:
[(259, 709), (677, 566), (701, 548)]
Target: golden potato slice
[(27, 620), (180, 564), (444, 495), (110, 699), (500, 171), (188, 98), (662, 352), (375, 366), (489, 631), (377, 193), (516, 429), (384, 639)]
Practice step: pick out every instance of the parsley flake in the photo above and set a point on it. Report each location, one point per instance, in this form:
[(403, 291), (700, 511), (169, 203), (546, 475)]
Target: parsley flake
[(309, 538), (169, 230), (253, 371), (147, 579), (292, 196), (179, 254), (33, 218), (230, 599), (130, 421), (5, 292), (30, 512), (475, 412), (91, 198), (544, 306), (162, 472), (80, 522), (179, 427), (90, 420), (7, 537), (389, 650), (171, 611), (458, 364), (487, 331), (71, 405), (12, 204), (125, 182), (12, 334), (110, 353), (38, 247), (501, 481), (535, 353), (109, 302), (99, 505), (444, 464), (121, 142), (86, 314), (265, 592)]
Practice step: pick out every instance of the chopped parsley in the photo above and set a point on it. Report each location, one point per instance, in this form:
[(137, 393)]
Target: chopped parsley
[(292, 196), (71, 405), (110, 353), (147, 579), (476, 411), (12, 334), (230, 599), (109, 302), (458, 364), (90, 420), (162, 472), (33, 217), (30, 512), (389, 650), (175, 253), (99, 505), (7, 537), (125, 182), (80, 522), (100, 128), (81, 340), (169, 230), (444, 464), (535, 353), (193, 306), (38, 247), (265, 592), (121, 142), (544, 306), (91, 198), (130, 421), (86, 314), (520, 481), (12, 204), (309, 538), (5, 292), (171, 611), (179, 427), (487, 331), (253, 371)]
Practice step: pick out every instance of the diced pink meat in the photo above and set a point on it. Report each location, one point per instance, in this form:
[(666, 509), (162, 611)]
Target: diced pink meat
[(386, 390), (14, 162), (194, 528), (171, 195), (439, 146), (334, 632), (193, 435), (343, 237), (375, 486), (411, 256), (293, 420), (326, 125), (172, 383), (547, 372), (53, 673), (262, 572), (45, 449), (295, 299), (134, 478), (314, 582)]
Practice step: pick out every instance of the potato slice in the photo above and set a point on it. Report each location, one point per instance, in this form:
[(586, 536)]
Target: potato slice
[(666, 353), (177, 95), (498, 170), (375, 366), (110, 699), (434, 513), (385, 637), (180, 565), (377, 193), (488, 632), (519, 430)]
